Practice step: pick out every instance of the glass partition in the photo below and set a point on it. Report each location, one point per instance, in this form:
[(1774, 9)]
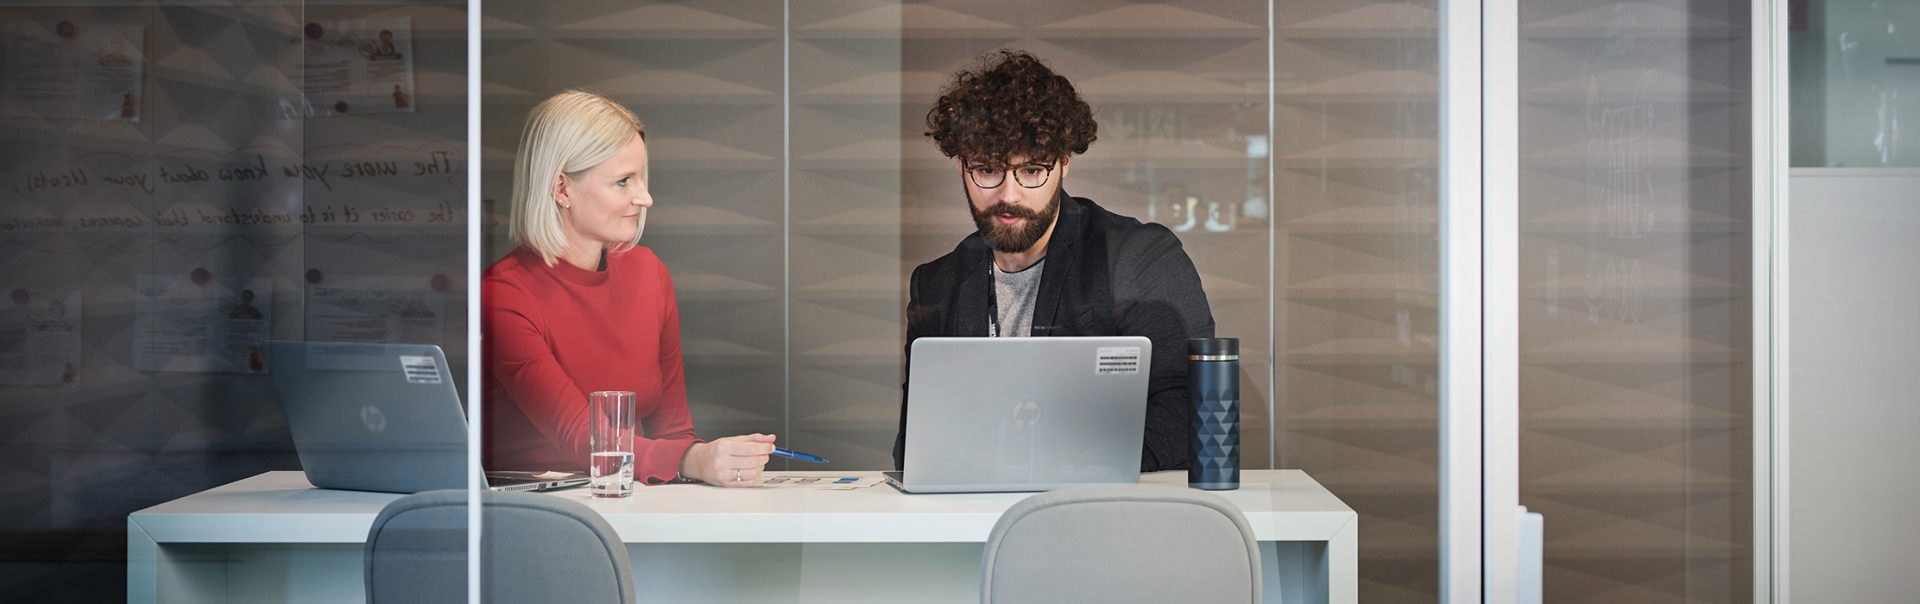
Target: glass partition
[(185, 183), (1292, 147), (1635, 323), (1355, 286), (1855, 76)]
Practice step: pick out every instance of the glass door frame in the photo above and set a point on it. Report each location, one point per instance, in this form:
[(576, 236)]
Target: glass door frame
[(1769, 64), (476, 236), (1462, 404)]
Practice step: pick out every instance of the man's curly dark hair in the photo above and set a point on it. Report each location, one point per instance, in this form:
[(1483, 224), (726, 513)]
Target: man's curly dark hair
[(1010, 104)]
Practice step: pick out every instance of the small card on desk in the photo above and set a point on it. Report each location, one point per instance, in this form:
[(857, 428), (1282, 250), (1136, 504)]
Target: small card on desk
[(774, 480)]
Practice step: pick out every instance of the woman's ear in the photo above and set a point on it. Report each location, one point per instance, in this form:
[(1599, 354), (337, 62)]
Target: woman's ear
[(560, 193)]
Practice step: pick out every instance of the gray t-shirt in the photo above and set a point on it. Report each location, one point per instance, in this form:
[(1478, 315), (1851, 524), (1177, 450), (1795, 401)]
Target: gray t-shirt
[(1016, 293)]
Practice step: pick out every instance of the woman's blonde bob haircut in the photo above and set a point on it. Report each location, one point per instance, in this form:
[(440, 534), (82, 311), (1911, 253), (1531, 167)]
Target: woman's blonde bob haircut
[(569, 133)]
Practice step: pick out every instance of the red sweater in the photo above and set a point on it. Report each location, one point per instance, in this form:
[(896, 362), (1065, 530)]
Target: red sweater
[(552, 334)]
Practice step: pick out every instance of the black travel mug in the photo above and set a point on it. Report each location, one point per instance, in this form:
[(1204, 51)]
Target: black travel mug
[(1213, 382)]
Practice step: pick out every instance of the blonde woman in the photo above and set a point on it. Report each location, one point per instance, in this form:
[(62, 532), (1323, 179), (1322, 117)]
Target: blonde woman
[(579, 306)]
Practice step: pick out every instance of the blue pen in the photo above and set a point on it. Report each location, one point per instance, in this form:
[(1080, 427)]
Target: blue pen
[(792, 454)]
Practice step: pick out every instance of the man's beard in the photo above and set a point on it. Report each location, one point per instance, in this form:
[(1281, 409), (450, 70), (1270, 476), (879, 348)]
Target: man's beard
[(1018, 237)]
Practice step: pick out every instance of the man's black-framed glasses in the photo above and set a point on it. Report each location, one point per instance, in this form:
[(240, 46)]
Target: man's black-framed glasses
[(1032, 175)]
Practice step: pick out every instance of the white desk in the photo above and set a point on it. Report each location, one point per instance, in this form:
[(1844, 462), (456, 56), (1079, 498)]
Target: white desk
[(275, 538)]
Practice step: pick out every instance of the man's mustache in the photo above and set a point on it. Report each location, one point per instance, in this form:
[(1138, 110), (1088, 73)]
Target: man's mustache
[(1010, 210)]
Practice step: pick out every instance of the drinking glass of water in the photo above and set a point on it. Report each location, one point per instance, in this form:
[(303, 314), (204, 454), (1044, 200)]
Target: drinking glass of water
[(610, 441)]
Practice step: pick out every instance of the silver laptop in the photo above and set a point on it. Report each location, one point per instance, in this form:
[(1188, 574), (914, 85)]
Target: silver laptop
[(1024, 414), (382, 417)]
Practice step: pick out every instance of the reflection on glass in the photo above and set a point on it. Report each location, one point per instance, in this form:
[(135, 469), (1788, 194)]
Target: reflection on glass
[(1635, 324), (1854, 82), (182, 188)]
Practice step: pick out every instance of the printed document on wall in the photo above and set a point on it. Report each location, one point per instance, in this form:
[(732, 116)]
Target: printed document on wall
[(40, 337), (196, 323)]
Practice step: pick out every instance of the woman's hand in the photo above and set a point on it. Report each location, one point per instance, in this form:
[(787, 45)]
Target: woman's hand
[(734, 461)]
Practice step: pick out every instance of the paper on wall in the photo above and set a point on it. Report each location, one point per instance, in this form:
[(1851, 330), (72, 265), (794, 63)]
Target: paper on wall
[(369, 308), (40, 337), (74, 70), (196, 323), (354, 66)]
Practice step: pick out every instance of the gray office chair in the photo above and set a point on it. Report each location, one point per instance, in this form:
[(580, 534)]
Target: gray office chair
[(1121, 543), (537, 548)]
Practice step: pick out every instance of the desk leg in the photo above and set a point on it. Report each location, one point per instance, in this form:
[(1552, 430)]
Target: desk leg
[(143, 559), (173, 572), (1343, 565)]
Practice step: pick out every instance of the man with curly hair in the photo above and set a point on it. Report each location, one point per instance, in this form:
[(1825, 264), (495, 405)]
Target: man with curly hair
[(1043, 263)]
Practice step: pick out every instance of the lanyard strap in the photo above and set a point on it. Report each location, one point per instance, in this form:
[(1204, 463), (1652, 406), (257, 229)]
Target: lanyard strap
[(993, 302)]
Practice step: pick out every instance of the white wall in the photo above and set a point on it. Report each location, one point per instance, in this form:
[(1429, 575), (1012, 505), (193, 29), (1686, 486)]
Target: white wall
[(1854, 403)]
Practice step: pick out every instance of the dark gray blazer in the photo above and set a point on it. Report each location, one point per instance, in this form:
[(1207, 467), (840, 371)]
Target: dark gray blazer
[(1106, 275)]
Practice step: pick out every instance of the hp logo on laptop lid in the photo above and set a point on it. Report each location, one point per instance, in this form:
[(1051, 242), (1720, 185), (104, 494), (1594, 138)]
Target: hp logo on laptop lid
[(373, 418), (1026, 412)]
